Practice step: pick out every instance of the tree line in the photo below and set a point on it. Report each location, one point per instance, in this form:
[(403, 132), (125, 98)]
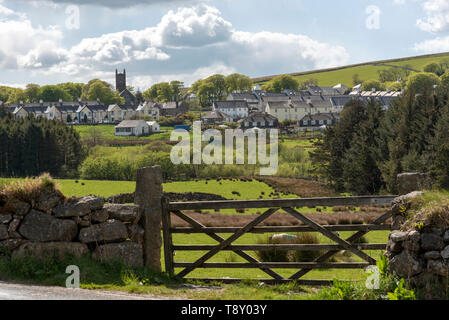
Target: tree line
[(369, 146), (69, 91), (30, 146)]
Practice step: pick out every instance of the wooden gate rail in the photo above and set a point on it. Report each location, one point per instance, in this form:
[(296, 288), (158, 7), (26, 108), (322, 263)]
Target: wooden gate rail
[(271, 206)]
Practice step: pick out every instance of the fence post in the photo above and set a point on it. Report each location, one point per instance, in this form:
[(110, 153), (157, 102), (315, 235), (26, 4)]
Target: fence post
[(168, 245), (148, 197)]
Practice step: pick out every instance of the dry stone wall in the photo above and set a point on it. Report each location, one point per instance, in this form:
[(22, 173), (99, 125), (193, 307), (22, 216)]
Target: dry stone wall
[(419, 252), (53, 225)]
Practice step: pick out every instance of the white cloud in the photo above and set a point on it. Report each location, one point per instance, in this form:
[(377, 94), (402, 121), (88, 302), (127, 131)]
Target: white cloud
[(24, 45), (439, 44), (195, 26), (437, 19), (187, 44), (285, 51), (120, 47)]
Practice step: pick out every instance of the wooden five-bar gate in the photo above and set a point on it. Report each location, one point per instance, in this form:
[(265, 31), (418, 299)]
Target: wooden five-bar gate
[(290, 207)]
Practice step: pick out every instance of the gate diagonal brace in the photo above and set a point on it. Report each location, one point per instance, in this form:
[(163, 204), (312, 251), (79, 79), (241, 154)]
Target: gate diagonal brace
[(195, 224), (227, 242)]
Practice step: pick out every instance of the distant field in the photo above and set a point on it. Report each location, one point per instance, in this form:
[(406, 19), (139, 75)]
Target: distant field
[(366, 71), (108, 132), (245, 189)]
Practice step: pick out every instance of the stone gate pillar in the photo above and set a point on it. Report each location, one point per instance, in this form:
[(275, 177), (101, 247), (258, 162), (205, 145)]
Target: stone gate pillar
[(148, 197)]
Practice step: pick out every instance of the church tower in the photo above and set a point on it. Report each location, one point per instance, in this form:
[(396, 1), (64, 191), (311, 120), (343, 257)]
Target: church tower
[(120, 81)]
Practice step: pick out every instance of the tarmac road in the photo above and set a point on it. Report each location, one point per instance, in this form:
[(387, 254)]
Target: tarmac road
[(9, 291)]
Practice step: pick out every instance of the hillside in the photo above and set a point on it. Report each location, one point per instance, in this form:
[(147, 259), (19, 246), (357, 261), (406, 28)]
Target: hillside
[(366, 71)]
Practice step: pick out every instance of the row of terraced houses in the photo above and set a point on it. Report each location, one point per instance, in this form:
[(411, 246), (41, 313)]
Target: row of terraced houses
[(314, 107)]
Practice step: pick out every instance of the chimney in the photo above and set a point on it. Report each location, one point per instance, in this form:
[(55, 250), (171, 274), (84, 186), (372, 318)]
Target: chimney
[(373, 89), (41, 101)]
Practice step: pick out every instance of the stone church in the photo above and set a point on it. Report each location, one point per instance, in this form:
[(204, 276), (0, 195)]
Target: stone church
[(120, 86)]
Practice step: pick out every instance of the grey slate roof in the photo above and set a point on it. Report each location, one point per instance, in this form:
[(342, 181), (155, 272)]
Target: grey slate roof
[(259, 117), (233, 104), (131, 123), (243, 96), (320, 116)]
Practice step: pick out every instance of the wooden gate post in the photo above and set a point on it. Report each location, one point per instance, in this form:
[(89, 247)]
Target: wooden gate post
[(148, 197)]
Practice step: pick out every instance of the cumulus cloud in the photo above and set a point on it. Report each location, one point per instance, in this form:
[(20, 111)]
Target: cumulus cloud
[(196, 26), (285, 51), (187, 44), (437, 16), (24, 45), (439, 44)]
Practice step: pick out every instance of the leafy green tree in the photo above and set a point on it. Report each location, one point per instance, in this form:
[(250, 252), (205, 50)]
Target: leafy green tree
[(238, 82), (206, 94), (52, 93), (74, 89), (5, 92), (361, 173), (394, 86), (330, 150), (434, 67), (445, 79), (210, 89), (32, 92), (98, 90), (160, 92), (177, 87), (368, 85), (87, 86), (281, 83), (16, 95), (306, 83), (422, 82)]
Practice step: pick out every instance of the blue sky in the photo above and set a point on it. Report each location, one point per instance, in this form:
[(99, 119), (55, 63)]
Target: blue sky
[(55, 41)]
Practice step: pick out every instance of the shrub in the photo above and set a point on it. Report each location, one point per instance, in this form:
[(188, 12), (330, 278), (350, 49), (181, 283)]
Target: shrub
[(28, 189), (306, 256), (271, 255)]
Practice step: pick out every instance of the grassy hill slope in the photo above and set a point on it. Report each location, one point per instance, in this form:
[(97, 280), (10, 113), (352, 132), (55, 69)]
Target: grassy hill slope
[(366, 71)]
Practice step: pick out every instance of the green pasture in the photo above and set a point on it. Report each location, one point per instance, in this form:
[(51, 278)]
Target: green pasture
[(366, 72), (108, 132), (228, 256)]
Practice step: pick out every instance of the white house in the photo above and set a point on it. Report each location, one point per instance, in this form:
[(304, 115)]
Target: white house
[(132, 128), (236, 108), (154, 126)]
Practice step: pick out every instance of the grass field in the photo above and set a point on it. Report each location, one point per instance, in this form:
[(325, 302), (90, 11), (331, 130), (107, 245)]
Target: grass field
[(246, 189), (226, 256), (247, 290), (108, 132), (365, 72)]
